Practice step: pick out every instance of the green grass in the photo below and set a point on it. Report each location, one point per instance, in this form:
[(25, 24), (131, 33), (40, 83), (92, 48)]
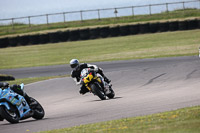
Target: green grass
[(168, 44), (186, 120), (24, 28), (33, 79)]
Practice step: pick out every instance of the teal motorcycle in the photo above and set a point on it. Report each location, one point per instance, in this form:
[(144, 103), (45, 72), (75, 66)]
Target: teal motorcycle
[(14, 107)]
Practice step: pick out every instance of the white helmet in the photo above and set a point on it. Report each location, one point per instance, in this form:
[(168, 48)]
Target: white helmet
[(74, 63)]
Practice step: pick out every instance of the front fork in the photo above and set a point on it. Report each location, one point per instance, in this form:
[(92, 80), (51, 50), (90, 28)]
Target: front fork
[(105, 86)]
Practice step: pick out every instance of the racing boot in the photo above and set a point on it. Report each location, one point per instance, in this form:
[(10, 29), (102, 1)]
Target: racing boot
[(100, 71), (83, 90)]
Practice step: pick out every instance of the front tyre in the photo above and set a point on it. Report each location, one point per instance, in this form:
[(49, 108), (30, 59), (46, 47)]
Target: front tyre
[(111, 94), (10, 116), (97, 90), (38, 110)]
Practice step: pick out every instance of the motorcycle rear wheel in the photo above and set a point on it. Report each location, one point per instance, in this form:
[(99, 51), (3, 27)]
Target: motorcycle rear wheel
[(38, 110), (97, 90), (10, 116)]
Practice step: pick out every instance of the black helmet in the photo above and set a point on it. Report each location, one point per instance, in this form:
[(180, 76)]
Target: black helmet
[(74, 63)]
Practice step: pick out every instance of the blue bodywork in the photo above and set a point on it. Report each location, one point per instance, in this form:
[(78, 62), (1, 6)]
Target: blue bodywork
[(7, 96)]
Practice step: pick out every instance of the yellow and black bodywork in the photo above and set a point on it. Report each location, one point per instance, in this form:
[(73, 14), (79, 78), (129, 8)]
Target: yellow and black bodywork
[(95, 84), (91, 77)]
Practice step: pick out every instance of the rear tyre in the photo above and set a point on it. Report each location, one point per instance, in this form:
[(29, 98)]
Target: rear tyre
[(38, 110), (96, 89), (10, 116)]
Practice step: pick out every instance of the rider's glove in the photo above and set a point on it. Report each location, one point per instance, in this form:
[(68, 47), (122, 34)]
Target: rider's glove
[(78, 83)]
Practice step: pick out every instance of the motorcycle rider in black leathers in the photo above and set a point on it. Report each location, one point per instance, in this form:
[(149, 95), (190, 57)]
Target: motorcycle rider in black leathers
[(76, 72)]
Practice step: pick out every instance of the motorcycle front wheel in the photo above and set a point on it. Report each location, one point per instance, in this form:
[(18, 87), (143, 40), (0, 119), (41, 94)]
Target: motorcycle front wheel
[(38, 110), (10, 116), (112, 94), (96, 89)]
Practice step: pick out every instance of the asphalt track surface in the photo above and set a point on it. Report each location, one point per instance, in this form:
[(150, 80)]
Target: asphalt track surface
[(142, 87)]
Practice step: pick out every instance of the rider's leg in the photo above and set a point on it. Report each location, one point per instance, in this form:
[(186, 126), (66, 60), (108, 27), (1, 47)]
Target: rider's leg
[(100, 71), (17, 89)]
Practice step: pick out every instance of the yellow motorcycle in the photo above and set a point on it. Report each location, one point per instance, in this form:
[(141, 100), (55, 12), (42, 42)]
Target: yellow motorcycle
[(95, 84)]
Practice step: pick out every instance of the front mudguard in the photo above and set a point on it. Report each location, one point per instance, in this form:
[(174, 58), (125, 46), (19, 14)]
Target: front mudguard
[(5, 104), (92, 89), (9, 106), (97, 90)]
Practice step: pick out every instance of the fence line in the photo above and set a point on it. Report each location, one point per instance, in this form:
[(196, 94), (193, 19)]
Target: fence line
[(98, 11)]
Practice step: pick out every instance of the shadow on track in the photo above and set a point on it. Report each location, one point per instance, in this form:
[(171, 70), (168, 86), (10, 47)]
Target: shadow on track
[(25, 121), (106, 99)]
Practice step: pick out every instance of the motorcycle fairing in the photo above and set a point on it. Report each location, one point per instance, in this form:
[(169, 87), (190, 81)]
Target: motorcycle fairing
[(89, 77), (9, 96)]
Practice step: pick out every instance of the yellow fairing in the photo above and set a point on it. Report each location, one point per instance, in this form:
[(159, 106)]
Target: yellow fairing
[(89, 78), (98, 79)]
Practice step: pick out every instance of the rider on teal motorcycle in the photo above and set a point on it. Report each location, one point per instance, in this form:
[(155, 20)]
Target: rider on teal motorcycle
[(16, 105), (17, 89)]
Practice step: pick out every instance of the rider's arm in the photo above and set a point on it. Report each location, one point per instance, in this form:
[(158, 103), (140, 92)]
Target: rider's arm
[(77, 81), (17, 88), (95, 67)]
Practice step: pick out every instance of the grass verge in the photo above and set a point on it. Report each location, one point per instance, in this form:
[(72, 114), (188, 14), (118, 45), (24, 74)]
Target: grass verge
[(34, 79), (186, 120), (168, 44)]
